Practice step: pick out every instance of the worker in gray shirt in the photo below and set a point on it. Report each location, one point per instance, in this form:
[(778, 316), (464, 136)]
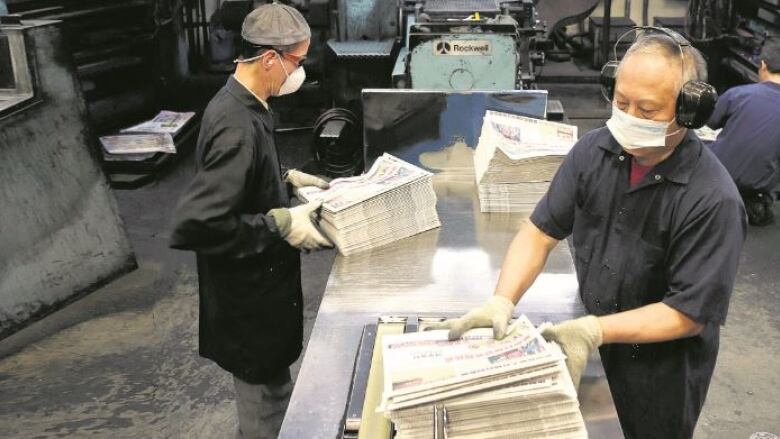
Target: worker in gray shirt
[(236, 216), (749, 145)]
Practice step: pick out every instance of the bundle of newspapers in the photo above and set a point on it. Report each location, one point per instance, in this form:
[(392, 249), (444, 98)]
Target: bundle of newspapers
[(516, 158), (393, 200), (149, 137), (479, 387)]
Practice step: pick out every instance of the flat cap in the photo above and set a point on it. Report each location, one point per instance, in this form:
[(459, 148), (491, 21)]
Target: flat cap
[(275, 24)]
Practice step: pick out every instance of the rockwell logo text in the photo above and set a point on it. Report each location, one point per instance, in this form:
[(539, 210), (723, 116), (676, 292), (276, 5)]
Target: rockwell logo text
[(461, 48)]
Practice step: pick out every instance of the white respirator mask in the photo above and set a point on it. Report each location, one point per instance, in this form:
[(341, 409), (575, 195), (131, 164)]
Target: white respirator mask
[(632, 132), (291, 84), (294, 80)]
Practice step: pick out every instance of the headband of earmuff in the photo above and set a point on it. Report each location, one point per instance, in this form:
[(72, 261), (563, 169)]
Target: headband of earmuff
[(696, 100)]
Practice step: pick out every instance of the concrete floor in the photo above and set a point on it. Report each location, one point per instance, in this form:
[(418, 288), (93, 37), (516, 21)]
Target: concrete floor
[(122, 362)]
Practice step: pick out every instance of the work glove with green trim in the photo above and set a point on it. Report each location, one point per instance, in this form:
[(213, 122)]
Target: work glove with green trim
[(296, 226)]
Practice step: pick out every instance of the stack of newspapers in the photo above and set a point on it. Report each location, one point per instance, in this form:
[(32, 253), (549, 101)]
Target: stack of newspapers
[(516, 158), (478, 387), (150, 137), (393, 200)]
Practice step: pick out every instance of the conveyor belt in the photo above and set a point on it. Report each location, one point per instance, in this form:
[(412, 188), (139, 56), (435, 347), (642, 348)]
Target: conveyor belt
[(353, 415), (373, 425), (360, 419)]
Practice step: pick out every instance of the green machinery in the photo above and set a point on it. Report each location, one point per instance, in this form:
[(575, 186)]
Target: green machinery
[(434, 45), (471, 60)]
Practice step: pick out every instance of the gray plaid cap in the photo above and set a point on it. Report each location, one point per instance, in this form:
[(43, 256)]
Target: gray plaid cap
[(275, 24)]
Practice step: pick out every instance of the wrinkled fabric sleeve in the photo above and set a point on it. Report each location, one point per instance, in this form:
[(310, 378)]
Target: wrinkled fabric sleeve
[(703, 259), (554, 214), (722, 111), (207, 219)]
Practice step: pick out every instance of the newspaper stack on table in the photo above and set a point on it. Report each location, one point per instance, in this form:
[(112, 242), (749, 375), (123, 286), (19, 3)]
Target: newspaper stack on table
[(147, 138), (485, 388), (516, 158), (393, 200)]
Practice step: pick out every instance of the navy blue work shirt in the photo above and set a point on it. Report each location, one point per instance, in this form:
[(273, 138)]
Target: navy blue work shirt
[(673, 238), (749, 145)]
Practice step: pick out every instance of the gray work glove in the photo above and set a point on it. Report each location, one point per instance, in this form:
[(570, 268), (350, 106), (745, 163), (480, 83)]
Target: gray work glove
[(296, 227), (577, 338), (301, 179), (494, 313)]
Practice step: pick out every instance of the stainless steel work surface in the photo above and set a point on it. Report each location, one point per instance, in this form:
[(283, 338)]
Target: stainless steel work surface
[(442, 272)]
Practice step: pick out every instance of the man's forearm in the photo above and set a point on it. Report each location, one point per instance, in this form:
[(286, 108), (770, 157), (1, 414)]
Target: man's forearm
[(523, 262), (652, 323)]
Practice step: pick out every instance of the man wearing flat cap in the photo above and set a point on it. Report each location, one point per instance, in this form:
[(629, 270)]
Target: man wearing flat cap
[(236, 216)]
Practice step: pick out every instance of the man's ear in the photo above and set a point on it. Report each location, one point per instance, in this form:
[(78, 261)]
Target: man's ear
[(268, 59)]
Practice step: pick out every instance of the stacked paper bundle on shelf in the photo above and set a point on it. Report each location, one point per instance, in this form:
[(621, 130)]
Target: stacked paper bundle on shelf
[(516, 158), (393, 200), (147, 138), (478, 387)]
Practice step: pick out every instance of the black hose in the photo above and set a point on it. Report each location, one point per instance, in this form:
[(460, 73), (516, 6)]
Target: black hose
[(342, 157)]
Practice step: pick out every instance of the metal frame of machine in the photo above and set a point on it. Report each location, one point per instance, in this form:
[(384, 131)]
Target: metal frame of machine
[(12, 31)]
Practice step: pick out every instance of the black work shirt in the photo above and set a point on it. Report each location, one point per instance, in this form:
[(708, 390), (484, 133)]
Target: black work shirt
[(673, 238), (251, 311), (749, 145)]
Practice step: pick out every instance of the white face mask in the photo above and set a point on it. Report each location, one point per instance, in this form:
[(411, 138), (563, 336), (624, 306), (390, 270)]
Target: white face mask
[(632, 132), (294, 80)]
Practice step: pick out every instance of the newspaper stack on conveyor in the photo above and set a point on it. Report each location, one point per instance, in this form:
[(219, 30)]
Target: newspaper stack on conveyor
[(482, 388), (516, 158), (393, 200)]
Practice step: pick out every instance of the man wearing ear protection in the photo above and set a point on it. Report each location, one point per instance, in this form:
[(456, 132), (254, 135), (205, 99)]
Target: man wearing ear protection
[(749, 145), (657, 227), (236, 216)]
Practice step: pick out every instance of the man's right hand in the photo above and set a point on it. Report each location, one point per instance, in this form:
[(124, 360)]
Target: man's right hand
[(296, 226), (301, 179), (495, 313)]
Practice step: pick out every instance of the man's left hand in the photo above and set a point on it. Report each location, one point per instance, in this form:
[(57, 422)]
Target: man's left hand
[(577, 338), (301, 179)]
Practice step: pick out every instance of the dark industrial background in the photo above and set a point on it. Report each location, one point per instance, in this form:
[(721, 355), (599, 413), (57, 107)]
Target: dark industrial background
[(122, 361)]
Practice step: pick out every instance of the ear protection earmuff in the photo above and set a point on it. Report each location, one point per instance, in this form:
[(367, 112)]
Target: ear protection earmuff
[(696, 100)]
